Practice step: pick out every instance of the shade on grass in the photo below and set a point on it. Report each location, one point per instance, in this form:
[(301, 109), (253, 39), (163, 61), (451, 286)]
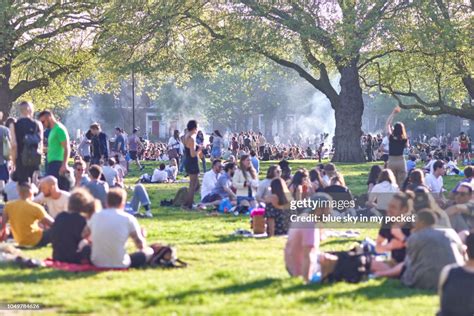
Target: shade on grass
[(226, 275)]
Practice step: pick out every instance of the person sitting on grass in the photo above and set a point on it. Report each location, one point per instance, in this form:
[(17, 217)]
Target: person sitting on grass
[(429, 250), (415, 179), (111, 174), (374, 174), (461, 214), (66, 232), (299, 186), (383, 191), (209, 180), (80, 175), (456, 285), (245, 180), (160, 175), (263, 189), (277, 210), (391, 237), (96, 187), (303, 257), (109, 230), (317, 182), (172, 170), (24, 215), (55, 200), (223, 189)]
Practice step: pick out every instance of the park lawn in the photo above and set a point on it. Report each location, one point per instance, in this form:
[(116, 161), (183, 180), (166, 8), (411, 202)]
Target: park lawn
[(226, 275)]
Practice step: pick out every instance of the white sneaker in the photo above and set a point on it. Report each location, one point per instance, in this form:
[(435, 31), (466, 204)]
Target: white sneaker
[(148, 214)]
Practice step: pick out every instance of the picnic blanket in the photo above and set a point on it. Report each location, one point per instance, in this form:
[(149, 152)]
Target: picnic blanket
[(74, 267)]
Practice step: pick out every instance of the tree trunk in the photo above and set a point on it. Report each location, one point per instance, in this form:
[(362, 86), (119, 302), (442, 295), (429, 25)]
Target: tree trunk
[(348, 111), (5, 91)]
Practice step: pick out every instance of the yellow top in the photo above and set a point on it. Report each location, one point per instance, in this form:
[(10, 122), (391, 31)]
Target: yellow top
[(23, 217)]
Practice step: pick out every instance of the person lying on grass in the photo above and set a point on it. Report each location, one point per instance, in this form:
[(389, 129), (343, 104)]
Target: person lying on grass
[(302, 255), (109, 231), (25, 218)]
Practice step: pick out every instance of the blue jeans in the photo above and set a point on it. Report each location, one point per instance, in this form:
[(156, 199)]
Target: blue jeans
[(52, 168), (140, 197)]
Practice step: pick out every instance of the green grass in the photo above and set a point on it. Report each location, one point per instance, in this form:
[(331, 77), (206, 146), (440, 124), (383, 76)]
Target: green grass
[(226, 275)]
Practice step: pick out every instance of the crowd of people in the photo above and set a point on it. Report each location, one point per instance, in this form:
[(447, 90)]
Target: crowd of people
[(83, 211)]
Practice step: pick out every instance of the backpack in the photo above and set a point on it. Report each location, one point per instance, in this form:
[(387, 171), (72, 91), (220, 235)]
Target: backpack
[(30, 155), (6, 145), (351, 266), (180, 197), (165, 257)]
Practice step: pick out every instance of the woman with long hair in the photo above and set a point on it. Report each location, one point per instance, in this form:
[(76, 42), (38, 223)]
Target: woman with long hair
[(274, 171), (299, 186), (317, 182), (373, 177), (277, 211), (217, 143), (245, 180), (392, 237), (383, 191), (191, 164), (415, 179), (397, 142), (202, 156)]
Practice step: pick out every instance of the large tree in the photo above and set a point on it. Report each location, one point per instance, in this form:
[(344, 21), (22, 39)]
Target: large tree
[(316, 39), (44, 45)]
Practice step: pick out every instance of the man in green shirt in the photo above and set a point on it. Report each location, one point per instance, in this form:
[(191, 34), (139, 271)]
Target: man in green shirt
[(58, 146)]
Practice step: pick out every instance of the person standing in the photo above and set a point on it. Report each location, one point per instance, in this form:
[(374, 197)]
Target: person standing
[(100, 148), (58, 145), (133, 144), (4, 156), (398, 141), (119, 145), (27, 144), (191, 164), (217, 143), (174, 147)]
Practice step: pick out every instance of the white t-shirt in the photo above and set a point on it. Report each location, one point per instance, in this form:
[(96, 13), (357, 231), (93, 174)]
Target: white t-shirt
[(110, 230), (209, 181), (159, 176), (434, 184), (53, 206), (382, 193), (110, 175)]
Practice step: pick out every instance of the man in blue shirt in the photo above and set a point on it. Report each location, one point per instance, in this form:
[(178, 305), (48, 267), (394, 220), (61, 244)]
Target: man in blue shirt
[(255, 161), (119, 145)]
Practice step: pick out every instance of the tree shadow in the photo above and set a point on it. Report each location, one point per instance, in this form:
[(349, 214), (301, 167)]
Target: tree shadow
[(231, 289), (387, 289), (27, 275)]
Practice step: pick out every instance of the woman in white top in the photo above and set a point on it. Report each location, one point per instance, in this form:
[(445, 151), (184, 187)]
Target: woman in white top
[(245, 180), (383, 191)]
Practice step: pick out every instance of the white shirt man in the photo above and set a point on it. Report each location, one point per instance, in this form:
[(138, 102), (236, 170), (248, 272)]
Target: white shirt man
[(210, 178), (109, 231), (55, 200), (159, 176), (434, 180)]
